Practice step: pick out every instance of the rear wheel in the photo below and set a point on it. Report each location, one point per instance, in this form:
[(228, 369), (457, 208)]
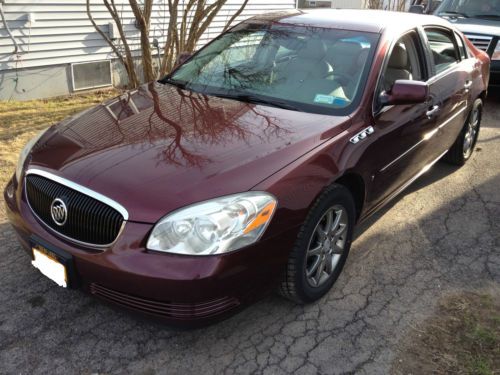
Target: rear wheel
[(462, 149), (321, 248)]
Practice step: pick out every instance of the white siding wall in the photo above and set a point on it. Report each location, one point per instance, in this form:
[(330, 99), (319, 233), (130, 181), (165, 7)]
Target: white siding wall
[(343, 4), (63, 34)]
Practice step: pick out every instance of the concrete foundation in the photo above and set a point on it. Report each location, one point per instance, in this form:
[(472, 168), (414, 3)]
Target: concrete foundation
[(46, 82)]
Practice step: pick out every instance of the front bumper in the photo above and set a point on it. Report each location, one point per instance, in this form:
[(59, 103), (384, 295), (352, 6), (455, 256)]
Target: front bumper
[(177, 289)]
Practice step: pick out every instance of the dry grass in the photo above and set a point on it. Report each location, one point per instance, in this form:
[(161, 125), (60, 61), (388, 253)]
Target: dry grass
[(462, 338), (19, 121)]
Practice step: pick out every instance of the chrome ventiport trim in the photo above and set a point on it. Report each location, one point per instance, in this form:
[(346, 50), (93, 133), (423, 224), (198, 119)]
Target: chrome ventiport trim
[(362, 135), (82, 189)]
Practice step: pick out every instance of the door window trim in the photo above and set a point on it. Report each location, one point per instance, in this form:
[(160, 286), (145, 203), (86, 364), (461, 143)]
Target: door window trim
[(460, 38)]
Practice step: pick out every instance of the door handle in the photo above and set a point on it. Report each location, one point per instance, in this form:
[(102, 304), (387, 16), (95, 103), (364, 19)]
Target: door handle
[(431, 112)]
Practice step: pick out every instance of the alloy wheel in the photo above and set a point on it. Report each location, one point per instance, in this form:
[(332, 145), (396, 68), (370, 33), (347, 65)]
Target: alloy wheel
[(326, 246), (471, 132)]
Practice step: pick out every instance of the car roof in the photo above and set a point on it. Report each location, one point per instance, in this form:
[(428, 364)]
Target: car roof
[(367, 20)]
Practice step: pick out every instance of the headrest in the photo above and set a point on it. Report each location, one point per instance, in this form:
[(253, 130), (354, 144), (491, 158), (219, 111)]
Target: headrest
[(399, 58), (314, 49), (349, 49)]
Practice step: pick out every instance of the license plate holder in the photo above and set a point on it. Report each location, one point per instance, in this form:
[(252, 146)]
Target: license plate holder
[(54, 263)]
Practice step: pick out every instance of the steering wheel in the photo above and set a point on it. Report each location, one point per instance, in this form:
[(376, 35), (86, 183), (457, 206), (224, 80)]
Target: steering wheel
[(341, 78)]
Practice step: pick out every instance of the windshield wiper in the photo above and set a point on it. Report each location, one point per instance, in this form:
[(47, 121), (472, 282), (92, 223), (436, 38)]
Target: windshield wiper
[(254, 99), (173, 82), (453, 14), (487, 16)]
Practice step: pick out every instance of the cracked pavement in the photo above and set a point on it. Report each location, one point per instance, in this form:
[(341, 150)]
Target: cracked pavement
[(439, 237)]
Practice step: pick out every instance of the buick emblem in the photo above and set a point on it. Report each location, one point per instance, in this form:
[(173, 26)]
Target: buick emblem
[(59, 211)]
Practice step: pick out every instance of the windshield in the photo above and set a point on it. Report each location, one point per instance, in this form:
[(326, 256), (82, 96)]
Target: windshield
[(470, 8), (302, 68)]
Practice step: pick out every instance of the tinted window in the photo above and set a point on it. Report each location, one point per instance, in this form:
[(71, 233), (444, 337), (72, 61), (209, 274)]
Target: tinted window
[(314, 69), (444, 51)]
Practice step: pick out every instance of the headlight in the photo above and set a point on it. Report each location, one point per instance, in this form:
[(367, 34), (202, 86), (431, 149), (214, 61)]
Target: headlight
[(214, 227), (25, 152)]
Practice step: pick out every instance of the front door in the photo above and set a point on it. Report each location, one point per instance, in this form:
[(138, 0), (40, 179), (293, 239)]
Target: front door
[(405, 133)]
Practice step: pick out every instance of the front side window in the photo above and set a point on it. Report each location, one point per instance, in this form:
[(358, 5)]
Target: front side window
[(403, 63), (312, 69), (443, 48)]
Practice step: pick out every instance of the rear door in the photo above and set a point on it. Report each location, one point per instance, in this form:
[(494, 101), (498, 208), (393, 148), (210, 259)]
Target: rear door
[(450, 83)]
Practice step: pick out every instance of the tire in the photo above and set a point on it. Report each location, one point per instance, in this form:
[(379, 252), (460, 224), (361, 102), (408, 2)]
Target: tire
[(302, 283), (463, 148)]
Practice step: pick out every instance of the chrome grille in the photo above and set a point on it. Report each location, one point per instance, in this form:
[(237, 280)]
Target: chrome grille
[(89, 221), (480, 41)]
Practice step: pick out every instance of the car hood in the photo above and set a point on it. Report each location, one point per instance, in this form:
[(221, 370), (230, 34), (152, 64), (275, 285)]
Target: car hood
[(160, 148), (477, 26)]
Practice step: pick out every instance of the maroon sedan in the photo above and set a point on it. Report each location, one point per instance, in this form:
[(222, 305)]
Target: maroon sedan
[(247, 168)]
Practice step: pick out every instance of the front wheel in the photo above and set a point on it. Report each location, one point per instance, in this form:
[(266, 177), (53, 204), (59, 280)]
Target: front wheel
[(462, 149), (321, 248)]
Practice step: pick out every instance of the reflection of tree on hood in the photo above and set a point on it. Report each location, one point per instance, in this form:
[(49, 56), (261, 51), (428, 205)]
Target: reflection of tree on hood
[(172, 120)]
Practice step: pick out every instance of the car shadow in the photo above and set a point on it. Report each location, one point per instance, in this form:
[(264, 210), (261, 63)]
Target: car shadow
[(436, 173)]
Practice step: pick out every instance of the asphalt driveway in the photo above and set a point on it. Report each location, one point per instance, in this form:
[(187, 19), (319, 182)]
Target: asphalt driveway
[(440, 237)]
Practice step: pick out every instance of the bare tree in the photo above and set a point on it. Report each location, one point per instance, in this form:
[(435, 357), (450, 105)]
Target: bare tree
[(187, 24), (125, 56)]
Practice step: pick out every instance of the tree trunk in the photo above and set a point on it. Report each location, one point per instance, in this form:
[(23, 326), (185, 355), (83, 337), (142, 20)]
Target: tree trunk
[(143, 19)]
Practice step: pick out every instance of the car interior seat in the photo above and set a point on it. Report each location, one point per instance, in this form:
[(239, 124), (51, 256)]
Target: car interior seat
[(398, 67), (310, 63), (343, 57), (348, 60)]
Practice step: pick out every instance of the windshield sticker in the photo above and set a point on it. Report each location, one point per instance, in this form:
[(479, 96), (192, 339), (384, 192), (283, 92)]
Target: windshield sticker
[(330, 99), (324, 99)]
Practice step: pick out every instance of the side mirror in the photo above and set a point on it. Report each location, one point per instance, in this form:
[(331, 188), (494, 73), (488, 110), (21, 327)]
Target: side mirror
[(182, 58), (405, 92), (418, 9)]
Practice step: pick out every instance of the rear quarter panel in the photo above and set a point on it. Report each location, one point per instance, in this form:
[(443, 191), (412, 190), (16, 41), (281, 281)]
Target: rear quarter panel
[(482, 65)]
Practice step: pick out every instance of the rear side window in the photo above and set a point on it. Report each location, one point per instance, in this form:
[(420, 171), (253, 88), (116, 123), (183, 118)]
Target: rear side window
[(444, 49)]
